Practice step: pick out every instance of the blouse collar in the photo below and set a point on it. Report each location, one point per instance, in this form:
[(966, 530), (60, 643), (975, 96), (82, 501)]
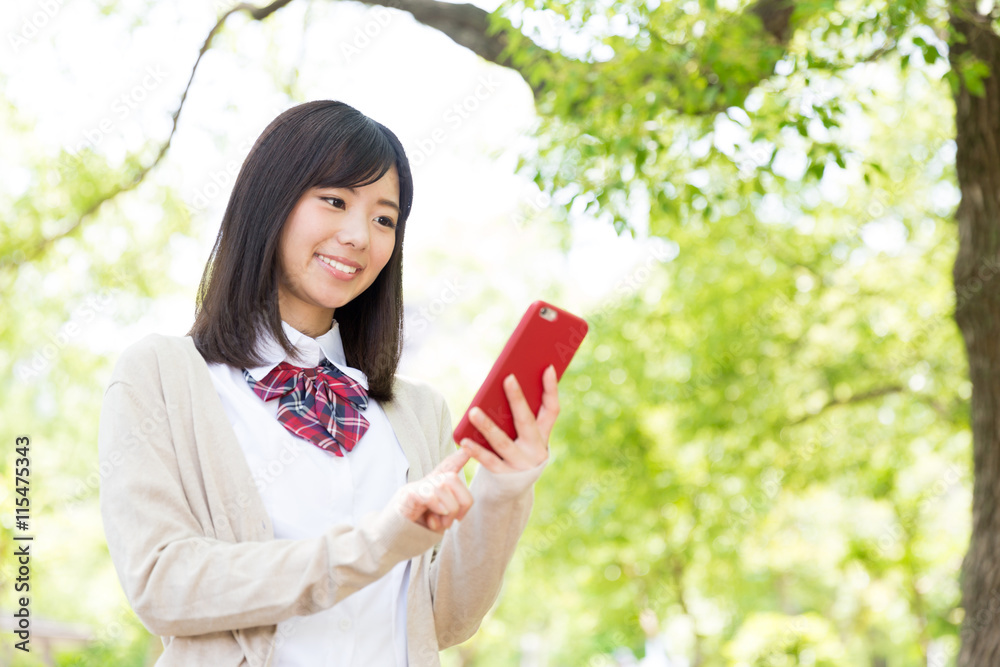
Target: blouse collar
[(308, 352)]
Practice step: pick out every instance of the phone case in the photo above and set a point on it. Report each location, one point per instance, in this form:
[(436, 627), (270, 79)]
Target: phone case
[(545, 335)]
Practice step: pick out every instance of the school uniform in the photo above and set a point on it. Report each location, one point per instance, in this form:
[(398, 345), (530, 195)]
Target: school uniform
[(241, 544)]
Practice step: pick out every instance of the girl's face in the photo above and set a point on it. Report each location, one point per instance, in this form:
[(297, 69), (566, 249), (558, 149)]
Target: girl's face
[(332, 247)]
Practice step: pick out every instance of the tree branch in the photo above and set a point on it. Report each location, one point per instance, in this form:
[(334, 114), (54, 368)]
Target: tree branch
[(469, 26), (466, 24), (856, 398), (257, 13), (775, 16)]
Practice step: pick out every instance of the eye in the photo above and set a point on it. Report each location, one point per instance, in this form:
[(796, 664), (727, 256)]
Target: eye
[(386, 221), (336, 202)]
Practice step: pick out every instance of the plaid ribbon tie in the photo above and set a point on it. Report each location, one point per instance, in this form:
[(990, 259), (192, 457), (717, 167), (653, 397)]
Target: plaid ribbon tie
[(321, 404)]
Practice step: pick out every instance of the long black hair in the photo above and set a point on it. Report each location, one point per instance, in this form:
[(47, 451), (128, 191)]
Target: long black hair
[(317, 144)]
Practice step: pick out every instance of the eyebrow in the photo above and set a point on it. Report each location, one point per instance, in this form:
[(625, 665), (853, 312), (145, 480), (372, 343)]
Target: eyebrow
[(386, 202)]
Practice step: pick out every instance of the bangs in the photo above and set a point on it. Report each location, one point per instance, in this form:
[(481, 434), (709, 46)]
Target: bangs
[(360, 156)]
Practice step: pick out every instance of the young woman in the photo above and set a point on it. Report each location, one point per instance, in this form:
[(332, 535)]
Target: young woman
[(276, 494)]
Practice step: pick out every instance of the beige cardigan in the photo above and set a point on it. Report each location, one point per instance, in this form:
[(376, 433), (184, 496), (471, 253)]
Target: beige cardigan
[(194, 547)]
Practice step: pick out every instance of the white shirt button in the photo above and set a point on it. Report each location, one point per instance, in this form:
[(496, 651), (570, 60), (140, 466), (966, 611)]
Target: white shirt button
[(345, 624)]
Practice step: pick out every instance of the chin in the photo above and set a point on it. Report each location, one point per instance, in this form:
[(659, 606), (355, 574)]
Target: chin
[(333, 304)]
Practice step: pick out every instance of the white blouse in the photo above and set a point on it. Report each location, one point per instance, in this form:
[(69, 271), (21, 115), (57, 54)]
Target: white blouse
[(307, 490)]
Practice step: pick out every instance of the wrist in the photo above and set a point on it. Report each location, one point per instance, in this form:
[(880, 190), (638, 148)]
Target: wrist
[(402, 536), (506, 485)]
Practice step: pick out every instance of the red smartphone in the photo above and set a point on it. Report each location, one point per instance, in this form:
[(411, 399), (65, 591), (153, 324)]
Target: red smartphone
[(546, 335)]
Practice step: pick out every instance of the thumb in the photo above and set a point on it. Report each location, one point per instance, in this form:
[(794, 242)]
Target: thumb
[(453, 462)]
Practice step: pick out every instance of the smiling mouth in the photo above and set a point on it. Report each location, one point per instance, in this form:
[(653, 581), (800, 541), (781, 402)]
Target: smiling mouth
[(337, 265)]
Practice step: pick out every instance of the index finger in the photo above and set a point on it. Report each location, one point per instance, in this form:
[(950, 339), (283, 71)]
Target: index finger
[(453, 462)]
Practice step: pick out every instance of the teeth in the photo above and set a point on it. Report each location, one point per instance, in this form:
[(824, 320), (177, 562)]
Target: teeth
[(337, 265)]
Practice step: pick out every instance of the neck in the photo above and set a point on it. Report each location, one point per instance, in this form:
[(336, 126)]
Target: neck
[(313, 322), (314, 328)]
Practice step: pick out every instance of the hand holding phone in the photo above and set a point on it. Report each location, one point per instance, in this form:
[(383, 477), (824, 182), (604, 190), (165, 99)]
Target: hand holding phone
[(531, 446), (510, 429)]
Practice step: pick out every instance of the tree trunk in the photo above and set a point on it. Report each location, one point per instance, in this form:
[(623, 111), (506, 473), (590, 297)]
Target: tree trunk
[(977, 312)]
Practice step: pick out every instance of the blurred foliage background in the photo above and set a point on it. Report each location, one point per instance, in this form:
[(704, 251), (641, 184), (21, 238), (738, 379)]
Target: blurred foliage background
[(764, 437)]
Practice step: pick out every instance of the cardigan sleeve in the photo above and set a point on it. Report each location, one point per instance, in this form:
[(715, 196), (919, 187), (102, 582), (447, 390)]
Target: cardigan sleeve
[(181, 582), (468, 570)]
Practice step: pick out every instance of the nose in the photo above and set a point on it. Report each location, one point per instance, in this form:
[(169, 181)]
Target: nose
[(354, 230)]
